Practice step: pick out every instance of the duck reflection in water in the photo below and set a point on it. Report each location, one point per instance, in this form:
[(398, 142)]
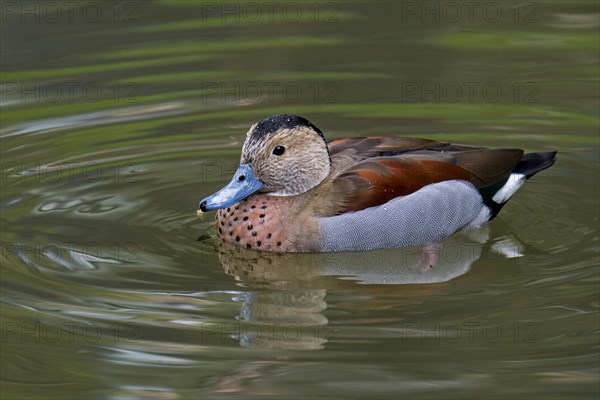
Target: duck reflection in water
[(286, 304)]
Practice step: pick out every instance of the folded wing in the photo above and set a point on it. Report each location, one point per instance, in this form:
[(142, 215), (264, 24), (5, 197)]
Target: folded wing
[(375, 170)]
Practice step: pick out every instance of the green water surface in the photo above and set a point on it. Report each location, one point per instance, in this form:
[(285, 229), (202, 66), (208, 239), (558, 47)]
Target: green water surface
[(118, 117)]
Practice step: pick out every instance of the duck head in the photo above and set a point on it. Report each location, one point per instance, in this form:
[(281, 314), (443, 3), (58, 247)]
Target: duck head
[(283, 155)]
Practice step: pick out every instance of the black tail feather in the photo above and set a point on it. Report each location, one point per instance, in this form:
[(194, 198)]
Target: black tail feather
[(532, 163), (529, 165)]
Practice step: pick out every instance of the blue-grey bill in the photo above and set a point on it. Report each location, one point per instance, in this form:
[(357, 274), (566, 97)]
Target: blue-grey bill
[(242, 185)]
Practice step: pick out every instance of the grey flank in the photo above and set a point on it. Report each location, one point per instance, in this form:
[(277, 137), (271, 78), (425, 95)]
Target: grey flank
[(434, 212)]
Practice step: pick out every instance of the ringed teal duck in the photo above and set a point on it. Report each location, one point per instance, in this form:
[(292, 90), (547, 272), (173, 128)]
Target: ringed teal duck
[(294, 192)]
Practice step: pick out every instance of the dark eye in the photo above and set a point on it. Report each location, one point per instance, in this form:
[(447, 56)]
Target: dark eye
[(279, 150)]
